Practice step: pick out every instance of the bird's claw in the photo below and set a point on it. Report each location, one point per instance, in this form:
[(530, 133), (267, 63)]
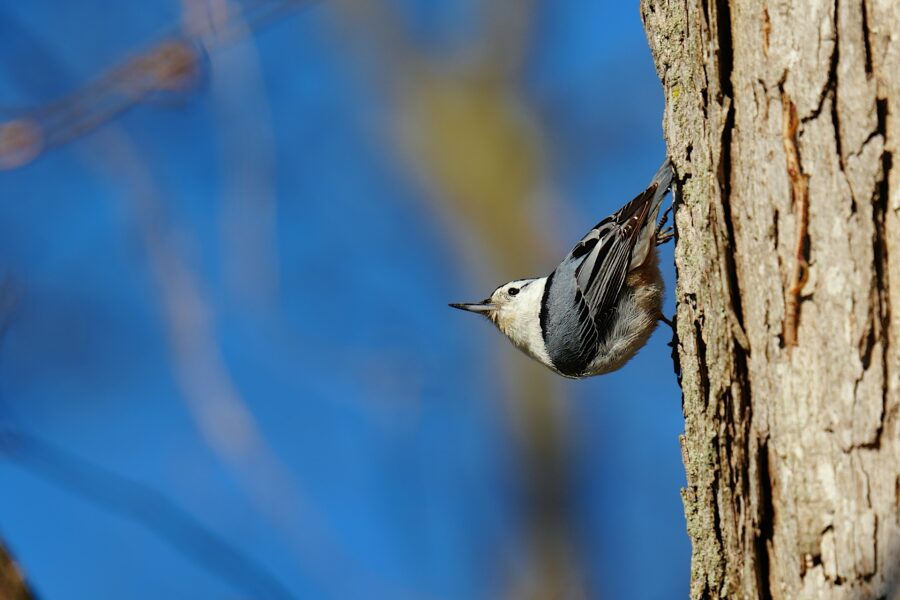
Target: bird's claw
[(673, 342), (665, 218), (667, 321), (664, 235)]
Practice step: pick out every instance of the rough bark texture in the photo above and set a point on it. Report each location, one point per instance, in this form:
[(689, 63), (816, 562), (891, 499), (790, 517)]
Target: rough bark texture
[(783, 121)]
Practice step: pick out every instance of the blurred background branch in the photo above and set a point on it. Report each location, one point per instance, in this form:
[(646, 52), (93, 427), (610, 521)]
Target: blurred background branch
[(12, 583), (468, 138), (220, 413), (171, 66), (241, 303), (138, 502)]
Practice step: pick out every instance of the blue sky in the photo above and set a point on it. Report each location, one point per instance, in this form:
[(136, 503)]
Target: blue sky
[(256, 243)]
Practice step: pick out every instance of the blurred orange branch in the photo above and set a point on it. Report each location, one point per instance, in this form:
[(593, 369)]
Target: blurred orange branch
[(174, 64)]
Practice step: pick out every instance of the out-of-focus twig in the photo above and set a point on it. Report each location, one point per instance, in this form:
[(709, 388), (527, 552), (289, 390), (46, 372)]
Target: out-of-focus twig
[(145, 506), (174, 64), (466, 136), (169, 66), (248, 230), (139, 502), (12, 583), (218, 409)]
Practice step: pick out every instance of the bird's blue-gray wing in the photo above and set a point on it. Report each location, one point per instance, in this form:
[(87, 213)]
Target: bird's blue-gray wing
[(605, 254)]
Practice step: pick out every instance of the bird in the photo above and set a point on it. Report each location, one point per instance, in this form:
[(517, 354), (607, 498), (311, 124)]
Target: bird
[(594, 312)]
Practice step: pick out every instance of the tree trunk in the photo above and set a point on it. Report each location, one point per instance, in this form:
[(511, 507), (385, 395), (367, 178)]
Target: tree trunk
[(782, 118)]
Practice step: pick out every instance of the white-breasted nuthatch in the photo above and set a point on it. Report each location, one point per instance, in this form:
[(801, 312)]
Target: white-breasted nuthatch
[(600, 305)]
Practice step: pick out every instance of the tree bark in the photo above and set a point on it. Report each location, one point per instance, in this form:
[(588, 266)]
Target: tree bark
[(782, 119)]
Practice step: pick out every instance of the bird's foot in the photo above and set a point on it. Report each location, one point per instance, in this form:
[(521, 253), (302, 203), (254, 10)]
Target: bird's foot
[(664, 235), (665, 218), (674, 341), (667, 321)]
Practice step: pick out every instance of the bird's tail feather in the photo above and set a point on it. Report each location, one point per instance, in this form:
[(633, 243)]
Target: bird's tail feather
[(663, 181)]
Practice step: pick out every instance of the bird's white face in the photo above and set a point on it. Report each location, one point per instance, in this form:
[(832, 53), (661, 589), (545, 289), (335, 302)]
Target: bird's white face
[(515, 309), (511, 302)]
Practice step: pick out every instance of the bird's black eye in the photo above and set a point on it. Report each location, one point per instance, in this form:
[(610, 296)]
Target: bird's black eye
[(513, 291)]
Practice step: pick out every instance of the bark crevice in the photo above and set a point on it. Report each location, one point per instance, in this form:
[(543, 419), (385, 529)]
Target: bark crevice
[(725, 50), (765, 522)]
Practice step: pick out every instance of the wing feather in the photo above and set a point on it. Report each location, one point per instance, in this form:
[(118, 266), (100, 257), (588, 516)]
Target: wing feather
[(606, 252)]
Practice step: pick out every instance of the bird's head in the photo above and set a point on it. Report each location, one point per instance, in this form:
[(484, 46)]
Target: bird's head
[(514, 307)]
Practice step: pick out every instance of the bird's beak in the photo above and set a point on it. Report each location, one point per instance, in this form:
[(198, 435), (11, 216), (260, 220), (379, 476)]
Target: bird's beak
[(484, 307)]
